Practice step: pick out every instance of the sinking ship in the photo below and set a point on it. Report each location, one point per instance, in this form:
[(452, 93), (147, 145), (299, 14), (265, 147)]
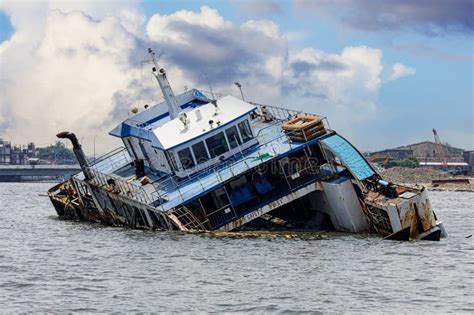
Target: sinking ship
[(199, 163)]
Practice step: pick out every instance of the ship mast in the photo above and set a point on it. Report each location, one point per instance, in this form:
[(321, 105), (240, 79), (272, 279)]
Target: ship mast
[(168, 94)]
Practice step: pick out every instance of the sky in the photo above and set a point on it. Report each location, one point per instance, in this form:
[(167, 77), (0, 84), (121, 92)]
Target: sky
[(385, 73)]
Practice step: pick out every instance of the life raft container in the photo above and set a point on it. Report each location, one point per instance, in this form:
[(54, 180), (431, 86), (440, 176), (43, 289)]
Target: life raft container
[(304, 128)]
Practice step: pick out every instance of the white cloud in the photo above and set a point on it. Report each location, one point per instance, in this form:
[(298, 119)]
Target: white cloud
[(341, 86), (70, 70), (60, 71), (204, 42), (255, 53), (399, 71)]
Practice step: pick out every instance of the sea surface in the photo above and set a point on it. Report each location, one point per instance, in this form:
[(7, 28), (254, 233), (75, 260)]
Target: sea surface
[(49, 265)]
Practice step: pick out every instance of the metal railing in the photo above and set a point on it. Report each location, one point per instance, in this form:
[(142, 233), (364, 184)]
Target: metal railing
[(221, 215), (207, 177), (120, 187), (299, 178), (284, 114), (188, 219), (279, 113), (202, 181), (288, 183), (111, 161), (168, 188), (215, 174)]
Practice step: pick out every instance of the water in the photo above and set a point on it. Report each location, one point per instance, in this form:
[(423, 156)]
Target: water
[(51, 265)]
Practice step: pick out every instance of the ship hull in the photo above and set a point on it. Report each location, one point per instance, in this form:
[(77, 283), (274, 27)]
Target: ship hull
[(307, 179), (100, 206), (314, 207)]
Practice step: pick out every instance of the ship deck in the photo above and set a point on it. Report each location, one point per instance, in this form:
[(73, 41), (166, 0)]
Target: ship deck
[(273, 143), (165, 192)]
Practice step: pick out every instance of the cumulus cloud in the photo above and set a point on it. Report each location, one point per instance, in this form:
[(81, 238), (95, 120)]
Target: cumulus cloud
[(60, 71), (333, 76), (256, 54), (203, 42), (342, 86), (80, 71), (399, 71), (427, 16)]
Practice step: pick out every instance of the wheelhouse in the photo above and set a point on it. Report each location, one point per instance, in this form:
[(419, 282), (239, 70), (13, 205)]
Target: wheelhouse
[(201, 136)]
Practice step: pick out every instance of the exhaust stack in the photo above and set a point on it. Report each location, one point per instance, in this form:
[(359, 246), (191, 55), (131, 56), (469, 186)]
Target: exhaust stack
[(78, 152)]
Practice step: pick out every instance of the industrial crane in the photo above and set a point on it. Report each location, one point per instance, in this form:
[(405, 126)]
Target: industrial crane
[(441, 151)]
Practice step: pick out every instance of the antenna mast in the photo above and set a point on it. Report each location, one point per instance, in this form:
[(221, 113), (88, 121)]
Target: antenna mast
[(168, 94)]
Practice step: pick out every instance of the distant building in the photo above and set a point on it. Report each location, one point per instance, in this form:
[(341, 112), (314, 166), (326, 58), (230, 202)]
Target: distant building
[(5, 148), (16, 155), (469, 158), (429, 154), (396, 154), (428, 151)]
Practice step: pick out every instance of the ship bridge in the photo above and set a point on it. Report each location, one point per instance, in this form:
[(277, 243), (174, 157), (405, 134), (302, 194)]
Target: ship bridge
[(205, 135), (205, 132)]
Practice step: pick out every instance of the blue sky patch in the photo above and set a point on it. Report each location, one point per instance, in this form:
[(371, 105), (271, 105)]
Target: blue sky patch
[(6, 28)]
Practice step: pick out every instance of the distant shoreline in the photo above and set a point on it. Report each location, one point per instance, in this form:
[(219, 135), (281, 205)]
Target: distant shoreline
[(423, 177)]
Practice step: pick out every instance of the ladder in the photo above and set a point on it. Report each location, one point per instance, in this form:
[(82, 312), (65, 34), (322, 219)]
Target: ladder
[(185, 219)]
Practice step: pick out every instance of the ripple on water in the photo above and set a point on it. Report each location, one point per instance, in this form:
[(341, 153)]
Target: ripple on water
[(48, 264)]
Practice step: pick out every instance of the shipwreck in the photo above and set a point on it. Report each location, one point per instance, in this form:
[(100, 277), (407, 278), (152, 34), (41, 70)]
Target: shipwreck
[(199, 163)]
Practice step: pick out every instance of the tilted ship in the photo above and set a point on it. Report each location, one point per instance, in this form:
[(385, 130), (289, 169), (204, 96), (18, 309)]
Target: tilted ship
[(199, 163)]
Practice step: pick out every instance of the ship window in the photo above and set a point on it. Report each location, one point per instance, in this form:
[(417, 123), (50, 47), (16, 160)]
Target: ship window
[(186, 158), (217, 145), (200, 152), (233, 137), (245, 131)]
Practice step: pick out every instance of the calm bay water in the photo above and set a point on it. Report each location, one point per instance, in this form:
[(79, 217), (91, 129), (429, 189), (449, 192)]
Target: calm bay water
[(48, 265)]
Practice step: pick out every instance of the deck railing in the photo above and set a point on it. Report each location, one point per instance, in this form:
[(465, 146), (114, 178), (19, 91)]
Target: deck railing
[(214, 174), (111, 161), (279, 113), (223, 214), (284, 114), (292, 181), (203, 180), (120, 187)]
